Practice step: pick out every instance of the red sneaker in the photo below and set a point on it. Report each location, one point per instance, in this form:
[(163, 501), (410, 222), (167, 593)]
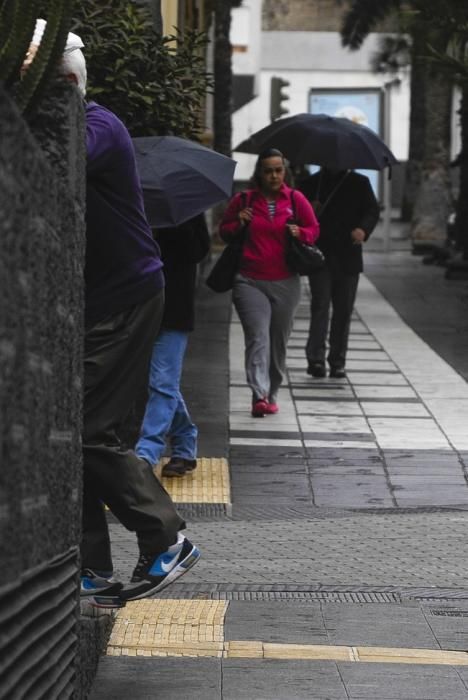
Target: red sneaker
[(272, 408), (259, 408)]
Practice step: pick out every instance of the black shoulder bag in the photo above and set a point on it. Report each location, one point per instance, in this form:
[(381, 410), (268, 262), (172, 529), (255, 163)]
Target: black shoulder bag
[(302, 258), (221, 277)]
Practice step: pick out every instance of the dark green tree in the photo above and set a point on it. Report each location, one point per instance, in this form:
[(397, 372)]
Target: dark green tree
[(156, 84)]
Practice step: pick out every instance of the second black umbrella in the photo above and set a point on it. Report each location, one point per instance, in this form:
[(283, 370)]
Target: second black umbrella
[(319, 139), (180, 178)]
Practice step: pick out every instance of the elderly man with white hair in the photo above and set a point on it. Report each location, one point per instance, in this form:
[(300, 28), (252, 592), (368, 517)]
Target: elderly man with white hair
[(124, 301)]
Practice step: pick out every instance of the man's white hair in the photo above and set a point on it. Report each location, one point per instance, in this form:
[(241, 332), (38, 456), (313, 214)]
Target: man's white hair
[(73, 60)]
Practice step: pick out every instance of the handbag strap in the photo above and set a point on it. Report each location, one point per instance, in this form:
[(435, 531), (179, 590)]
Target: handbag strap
[(245, 201), (293, 203)]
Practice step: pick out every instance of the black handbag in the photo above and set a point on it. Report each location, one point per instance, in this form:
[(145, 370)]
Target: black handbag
[(221, 277), (303, 258), (223, 273)]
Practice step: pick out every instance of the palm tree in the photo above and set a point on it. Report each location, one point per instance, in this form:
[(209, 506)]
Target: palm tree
[(427, 192), (461, 222), (455, 61)]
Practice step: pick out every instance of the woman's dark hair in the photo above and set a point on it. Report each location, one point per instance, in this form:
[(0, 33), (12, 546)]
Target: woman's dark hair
[(267, 153)]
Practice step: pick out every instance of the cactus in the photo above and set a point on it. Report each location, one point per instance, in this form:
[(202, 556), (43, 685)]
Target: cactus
[(17, 20)]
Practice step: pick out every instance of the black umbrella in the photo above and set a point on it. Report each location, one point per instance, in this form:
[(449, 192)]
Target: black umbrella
[(180, 178), (333, 142)]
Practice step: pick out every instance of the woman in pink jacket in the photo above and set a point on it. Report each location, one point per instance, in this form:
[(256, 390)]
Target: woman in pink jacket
[(266, 293)]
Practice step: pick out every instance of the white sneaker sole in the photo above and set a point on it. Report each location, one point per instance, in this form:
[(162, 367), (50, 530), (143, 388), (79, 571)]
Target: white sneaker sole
[(103, 602)]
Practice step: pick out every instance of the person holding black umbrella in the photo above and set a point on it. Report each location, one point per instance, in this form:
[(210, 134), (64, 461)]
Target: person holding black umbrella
[(348, 213), (266, 292)]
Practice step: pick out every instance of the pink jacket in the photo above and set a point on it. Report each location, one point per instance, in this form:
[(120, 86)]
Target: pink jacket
[(263, 255)]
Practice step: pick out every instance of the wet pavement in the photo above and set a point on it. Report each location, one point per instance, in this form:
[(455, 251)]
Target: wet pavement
[(334, 563)]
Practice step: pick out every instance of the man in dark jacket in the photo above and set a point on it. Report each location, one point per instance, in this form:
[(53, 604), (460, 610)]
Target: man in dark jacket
[(166, 415), (124, 301), (348, 213)]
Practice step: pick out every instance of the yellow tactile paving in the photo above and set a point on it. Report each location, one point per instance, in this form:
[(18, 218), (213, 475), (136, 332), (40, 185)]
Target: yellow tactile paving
[(312, 652), (196, 628), (169, 627), (244, 650), (412, 656), (208, 483)]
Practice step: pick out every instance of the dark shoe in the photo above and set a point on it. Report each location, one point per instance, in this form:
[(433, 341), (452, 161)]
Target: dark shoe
[(316, 369), (259, 408), (100, 590), (337, 373), (153, 573), (178, 466)]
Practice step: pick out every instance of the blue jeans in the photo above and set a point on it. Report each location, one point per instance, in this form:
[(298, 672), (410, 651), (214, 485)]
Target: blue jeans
[(166, 414)]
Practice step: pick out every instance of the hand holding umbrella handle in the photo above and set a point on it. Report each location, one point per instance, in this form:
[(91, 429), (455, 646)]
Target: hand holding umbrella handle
[(358, 236)]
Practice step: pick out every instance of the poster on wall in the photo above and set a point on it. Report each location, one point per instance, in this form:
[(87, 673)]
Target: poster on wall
[(361, 106)]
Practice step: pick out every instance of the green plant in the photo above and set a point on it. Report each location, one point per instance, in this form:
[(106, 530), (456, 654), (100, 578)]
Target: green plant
[(17, 20), (156, 84)]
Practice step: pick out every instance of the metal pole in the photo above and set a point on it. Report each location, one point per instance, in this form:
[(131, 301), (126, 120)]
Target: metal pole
[(387, 183)]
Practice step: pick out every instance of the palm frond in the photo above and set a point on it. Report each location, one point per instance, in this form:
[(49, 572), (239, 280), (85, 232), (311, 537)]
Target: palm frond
[(362, 17), (394, 53)]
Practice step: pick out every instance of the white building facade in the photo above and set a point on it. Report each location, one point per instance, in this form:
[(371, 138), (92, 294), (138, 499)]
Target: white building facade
[(321, 73)]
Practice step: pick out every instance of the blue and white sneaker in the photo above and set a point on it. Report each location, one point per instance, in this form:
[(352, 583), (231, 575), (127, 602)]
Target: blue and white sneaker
[(100, 589), (153, 573)]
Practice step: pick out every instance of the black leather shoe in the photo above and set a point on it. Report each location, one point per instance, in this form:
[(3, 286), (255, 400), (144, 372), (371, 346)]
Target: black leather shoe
[(337, 373), (316, 369), (178, 466)]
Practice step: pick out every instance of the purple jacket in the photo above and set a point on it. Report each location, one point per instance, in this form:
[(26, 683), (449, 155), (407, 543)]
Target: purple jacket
[(123, 265)]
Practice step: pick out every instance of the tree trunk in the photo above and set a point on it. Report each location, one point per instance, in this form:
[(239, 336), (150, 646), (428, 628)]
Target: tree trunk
[(462, 202), (417, 128), (433, 200), (222, 79)]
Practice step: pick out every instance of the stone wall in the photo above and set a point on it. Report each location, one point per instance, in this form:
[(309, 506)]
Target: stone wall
[(41, 316), (313, 16)]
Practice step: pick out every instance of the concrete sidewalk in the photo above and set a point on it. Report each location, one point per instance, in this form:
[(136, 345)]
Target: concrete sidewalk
[(337, 567)]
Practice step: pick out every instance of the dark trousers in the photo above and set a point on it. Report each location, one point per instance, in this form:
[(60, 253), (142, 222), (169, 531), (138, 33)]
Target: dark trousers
[(116, 366), (327, 287)]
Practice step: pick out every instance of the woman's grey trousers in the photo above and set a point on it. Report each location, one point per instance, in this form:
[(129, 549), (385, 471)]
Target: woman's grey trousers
[(266, 310)]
